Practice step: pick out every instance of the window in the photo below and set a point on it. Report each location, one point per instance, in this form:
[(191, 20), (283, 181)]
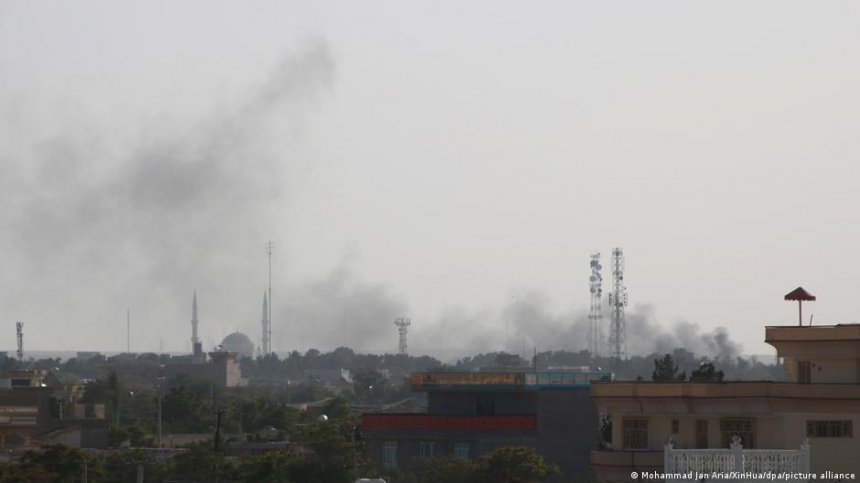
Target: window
[(742, 428), (676, 426), (427, 449), (829, 429), (701, 434), (486, 406), (389, 454), (804, 373), (461, 450), (634, 433)]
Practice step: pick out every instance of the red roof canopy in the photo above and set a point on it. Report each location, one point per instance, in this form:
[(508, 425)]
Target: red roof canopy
[(799, 294)]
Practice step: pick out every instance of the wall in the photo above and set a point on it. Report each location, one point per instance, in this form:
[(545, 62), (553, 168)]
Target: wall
[(465, 403), (834, 454), (568, 429)]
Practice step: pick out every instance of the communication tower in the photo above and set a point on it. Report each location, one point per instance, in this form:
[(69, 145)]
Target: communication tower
[(595, 314), (402, 324), (19, 328), (617, 302)]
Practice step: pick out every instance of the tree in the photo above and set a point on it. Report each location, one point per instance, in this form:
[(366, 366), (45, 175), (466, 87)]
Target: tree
[(369, 386), (503, 359), (513, 464), (665, 370), (58, 459), (707, 373), (444, 469)]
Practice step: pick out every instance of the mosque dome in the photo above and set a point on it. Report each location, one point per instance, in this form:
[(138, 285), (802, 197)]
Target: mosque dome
[(240, 343)]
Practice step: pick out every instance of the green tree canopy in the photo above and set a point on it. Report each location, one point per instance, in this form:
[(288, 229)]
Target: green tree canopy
[(665, 370), (707, 373), (513, 464)]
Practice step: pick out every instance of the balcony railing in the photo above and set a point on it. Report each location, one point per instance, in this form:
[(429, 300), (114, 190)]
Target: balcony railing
[(447, 423), (735, 459)]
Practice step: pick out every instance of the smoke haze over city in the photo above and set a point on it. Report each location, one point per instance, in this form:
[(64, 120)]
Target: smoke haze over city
[(454, 164)]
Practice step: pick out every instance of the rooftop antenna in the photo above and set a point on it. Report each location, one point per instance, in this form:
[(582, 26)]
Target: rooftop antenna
[(19, 328), (267, 326), (595, 315), (617, 302), (402, 327)]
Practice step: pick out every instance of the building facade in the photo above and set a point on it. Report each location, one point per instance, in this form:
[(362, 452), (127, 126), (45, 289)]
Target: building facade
[(821, 403), (469, 414)]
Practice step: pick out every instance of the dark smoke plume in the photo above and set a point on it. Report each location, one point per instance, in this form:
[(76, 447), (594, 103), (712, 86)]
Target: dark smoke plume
[(98, 228)]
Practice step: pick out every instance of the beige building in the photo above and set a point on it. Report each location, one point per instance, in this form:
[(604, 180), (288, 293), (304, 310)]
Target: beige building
[(821, 402)]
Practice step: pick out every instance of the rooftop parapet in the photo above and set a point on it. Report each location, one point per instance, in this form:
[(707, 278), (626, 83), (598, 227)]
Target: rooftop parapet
[(506, 381)]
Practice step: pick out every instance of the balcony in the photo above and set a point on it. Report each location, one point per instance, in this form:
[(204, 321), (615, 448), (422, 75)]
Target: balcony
[(447, 423)]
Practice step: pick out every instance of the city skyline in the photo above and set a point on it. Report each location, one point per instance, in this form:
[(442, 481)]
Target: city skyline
[(453, 164)]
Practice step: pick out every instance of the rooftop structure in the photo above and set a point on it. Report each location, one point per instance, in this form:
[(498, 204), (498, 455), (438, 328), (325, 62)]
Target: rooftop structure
[(821, 403), (471, 413)]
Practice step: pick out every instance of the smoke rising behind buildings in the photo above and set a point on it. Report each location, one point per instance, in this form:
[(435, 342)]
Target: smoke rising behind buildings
[(144, 153)]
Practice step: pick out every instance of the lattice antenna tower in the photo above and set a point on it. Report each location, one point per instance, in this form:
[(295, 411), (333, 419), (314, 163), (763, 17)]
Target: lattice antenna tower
[(595, 313), (267, 325), (19, 329), (617, 302), (402, 324)]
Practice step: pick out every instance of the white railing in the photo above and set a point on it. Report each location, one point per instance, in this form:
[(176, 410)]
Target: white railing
[(735, 459)]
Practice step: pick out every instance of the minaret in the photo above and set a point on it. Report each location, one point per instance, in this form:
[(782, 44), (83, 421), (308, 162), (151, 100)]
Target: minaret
[(196, 346), (265, 320)]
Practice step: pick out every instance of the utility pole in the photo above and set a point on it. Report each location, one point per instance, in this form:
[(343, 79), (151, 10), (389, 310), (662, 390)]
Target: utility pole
[(267, 334), (128, 330)]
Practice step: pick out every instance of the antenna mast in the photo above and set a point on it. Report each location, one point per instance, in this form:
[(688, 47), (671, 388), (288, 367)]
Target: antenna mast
[(19, 328), (617, 302), (595, 314), (128, 330), (402, 327), (267, 324)]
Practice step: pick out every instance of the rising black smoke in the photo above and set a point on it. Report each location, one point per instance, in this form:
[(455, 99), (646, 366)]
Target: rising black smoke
[(93, 228)]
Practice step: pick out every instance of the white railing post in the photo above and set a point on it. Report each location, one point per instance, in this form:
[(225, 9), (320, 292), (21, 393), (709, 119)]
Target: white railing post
[(737, 454), (668, 464), (804, 448)]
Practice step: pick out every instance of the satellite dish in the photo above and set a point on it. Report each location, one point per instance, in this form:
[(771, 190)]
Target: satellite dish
[(323, 418)]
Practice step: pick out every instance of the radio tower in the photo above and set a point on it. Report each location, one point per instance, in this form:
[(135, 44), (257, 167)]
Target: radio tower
[(617, 302), (402, 327), (19, 328), (267, 324), (595, 315)]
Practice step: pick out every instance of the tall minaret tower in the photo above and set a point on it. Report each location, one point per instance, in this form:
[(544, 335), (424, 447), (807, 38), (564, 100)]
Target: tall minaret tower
[(196, 345), (267, 345)]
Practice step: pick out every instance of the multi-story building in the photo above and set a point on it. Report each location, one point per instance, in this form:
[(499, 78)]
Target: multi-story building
[(821, 402), (472, 413)]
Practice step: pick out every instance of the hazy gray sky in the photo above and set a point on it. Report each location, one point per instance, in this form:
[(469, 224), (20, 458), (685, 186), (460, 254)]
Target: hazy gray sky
[(454, 162)]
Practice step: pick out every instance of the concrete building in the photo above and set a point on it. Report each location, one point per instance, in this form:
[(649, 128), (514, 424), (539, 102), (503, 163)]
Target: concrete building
[(472, 413), (27, 400), (821, 402), (222, 370)]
